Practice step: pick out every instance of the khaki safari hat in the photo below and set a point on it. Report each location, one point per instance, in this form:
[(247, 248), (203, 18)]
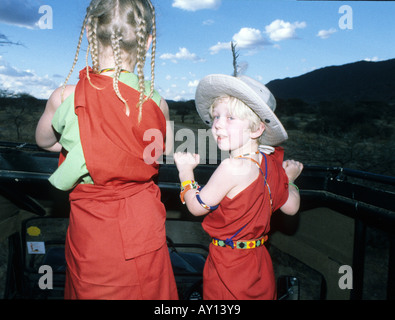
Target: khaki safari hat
[(253, 93)]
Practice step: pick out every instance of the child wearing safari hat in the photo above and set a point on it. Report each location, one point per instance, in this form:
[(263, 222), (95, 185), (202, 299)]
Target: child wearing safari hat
[(244, 190)]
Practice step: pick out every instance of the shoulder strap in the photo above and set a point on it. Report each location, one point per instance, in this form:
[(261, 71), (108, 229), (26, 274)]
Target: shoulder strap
[(263, 174), (258, 164)]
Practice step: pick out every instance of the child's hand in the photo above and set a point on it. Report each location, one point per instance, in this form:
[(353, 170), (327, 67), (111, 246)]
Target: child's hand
[(186, 161), (292, 169)]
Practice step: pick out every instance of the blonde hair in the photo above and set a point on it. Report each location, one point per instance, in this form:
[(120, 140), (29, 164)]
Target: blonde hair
[(125, 27), (239, 109)]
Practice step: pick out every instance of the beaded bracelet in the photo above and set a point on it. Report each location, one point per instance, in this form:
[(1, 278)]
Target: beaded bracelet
[(187, 182), (293, 184), (205, 206), (186, 186), (193, 185)]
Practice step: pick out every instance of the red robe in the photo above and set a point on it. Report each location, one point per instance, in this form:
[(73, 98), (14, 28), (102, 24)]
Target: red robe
[(245, 274), (116, 241)]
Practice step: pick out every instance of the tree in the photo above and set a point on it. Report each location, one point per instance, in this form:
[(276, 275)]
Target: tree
[(235, 55)]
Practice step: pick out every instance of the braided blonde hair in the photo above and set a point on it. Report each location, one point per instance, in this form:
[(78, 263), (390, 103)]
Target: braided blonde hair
[(124, 26)]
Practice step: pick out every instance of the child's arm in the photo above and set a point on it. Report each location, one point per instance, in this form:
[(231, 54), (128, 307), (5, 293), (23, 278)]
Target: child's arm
[(292, 169), (169, 130), (46, 136), (213, 192)]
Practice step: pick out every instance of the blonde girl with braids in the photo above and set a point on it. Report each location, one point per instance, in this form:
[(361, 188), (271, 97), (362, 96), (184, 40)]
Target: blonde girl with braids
[(116, 239)]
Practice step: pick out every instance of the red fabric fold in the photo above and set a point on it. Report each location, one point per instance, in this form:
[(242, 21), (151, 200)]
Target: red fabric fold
[(116, 146)]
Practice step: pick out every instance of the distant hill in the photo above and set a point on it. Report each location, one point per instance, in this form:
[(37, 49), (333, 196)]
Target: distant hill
[(359, 81)]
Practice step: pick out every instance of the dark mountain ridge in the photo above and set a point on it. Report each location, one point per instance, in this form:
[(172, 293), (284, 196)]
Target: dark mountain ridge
[(358, 81)]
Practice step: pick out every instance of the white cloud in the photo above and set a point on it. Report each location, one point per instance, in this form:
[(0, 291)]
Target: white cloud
[(325, 34), (280, 30), (17, 81), (23, 13), (208, 22), (178, 98), (182, 54), (182, 89), (194, 5), (373, 59), (247, 38), (36, 86), (193, 84), (254, 39), (219, 46), (7, 70)]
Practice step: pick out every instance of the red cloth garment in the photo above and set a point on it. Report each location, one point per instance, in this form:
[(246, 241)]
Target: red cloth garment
[(116, 246), (245, 274), (116, 240), (115, 147)]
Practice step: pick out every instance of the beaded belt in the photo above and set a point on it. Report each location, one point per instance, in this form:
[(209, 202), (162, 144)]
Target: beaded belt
[(240, 244)]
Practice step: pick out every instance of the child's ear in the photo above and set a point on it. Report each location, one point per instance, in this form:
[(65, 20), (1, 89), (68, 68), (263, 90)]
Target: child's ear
[(257, 133)]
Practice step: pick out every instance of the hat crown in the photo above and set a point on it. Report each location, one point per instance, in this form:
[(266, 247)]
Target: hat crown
[(261, 91)]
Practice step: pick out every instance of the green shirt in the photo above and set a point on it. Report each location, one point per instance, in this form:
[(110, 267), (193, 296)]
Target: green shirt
[(73, 170)]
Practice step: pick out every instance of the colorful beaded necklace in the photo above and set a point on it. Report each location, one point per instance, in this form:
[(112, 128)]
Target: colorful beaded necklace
[(112, 70), (246, 157)]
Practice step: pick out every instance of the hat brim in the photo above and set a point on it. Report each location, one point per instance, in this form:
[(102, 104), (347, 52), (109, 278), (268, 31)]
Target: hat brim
[(217, 85)]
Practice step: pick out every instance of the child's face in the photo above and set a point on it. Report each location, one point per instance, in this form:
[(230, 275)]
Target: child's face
[(230, 132)]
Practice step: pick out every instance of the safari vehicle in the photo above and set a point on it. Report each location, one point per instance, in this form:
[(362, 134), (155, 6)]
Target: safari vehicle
[(340, 246)]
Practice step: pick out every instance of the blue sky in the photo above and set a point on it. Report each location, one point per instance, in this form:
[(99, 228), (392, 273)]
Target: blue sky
[(275, 38)]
